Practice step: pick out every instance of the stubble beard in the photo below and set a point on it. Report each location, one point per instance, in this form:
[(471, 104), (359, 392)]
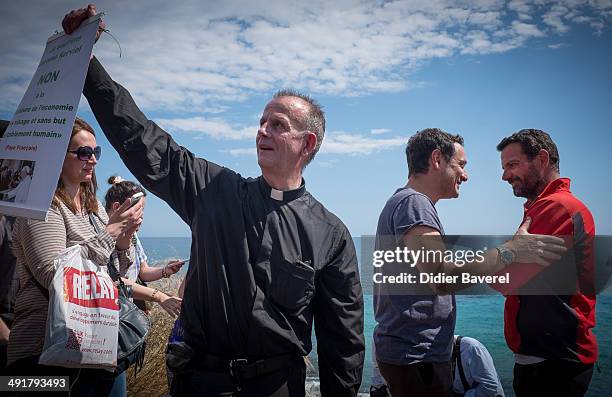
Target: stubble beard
[(531, 185)]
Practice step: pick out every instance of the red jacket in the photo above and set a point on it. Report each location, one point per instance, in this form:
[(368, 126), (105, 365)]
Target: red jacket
[(557, 326)]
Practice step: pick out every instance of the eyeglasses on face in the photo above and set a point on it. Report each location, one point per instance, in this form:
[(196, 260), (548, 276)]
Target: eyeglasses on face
[(84, 153)]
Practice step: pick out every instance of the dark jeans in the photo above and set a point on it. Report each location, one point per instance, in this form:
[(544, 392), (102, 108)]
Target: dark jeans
[(552, 378), (420, 379), (83, 382), (287, 382)]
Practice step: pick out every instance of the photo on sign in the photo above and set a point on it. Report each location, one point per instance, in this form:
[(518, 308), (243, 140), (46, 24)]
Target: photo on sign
[(15, 179)]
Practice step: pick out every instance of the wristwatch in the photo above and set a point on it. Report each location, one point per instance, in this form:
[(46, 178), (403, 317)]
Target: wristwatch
[(505, 256)]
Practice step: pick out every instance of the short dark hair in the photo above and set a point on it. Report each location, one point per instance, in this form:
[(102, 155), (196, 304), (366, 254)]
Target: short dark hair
[(421, 144), (313, 121), (532, 141)]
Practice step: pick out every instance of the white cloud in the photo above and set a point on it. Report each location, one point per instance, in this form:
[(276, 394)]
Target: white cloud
[(345, 143), (554, 18), (242, 152), (203, 56), (598, 27), (215, 128), (526, 30), (378, 131), (521, 7), (488, 19), (557, 46), (479, 42), (326, 163)]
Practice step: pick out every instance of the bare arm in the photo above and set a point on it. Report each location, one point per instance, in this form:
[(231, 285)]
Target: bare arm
[(528, 248), (149, 273), (171, 304)]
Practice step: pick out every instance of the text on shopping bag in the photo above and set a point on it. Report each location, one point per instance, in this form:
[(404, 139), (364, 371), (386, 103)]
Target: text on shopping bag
[(85, 288)]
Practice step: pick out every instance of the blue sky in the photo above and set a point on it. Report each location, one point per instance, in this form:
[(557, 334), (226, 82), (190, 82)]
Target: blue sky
[(382, 70)]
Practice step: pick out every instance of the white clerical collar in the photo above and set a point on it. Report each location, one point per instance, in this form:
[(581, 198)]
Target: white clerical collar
[(279, 195), (276, 194)]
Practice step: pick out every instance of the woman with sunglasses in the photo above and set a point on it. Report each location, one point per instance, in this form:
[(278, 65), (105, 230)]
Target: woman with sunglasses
[(37, 243)]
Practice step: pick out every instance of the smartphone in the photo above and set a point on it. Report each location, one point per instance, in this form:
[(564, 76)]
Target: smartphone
[(179, 262), (136, 198)]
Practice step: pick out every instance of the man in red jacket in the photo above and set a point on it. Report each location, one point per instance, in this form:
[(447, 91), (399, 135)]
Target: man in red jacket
[(550, 334)]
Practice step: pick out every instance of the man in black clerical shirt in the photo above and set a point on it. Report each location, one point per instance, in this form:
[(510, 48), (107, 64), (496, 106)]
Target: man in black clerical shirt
[(266, 258)]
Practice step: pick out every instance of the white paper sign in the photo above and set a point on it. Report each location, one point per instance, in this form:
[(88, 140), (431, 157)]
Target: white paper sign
[(34, 145)]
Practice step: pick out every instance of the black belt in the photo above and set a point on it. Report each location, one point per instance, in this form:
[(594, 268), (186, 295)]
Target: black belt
[(243, 368)]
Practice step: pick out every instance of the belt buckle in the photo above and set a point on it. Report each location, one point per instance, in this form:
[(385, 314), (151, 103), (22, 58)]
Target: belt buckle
[(234, 366)]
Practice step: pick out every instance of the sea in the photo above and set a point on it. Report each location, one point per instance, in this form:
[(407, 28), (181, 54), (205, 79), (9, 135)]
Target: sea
[(478, 316)]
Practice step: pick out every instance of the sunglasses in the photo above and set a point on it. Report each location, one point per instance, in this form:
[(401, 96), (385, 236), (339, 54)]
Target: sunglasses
[(84, 153)]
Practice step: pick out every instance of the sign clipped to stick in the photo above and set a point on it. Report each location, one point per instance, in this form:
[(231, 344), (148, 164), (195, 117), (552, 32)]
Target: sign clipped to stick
[(34, 144)]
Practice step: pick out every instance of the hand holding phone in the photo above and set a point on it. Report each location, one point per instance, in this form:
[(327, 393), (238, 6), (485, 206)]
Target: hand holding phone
[(177, 264), (136, 198), (172, 267)]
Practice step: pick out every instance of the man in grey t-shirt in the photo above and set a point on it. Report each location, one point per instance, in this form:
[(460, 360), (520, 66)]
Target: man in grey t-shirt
[(414, 335)]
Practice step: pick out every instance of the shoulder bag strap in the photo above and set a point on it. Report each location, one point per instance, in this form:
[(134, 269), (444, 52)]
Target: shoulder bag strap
[(457, 359)]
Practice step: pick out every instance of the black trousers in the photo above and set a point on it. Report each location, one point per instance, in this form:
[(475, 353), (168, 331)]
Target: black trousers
[(420, 379), (3, 359), (552, 378), (287, 382), (83, 382)]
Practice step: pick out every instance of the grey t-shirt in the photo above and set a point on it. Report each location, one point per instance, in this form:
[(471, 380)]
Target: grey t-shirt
[(411, 328)]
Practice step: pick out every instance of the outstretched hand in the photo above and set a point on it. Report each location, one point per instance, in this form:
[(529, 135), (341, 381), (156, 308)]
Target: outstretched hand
[(173, 267), (535, 248), (171, 304), (74, 18)]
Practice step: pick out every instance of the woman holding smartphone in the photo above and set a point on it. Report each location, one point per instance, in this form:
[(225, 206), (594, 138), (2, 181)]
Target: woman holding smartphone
[(120, 191)]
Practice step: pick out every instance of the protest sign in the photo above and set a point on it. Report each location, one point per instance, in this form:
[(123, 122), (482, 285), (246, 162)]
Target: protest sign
[(34, 144)]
